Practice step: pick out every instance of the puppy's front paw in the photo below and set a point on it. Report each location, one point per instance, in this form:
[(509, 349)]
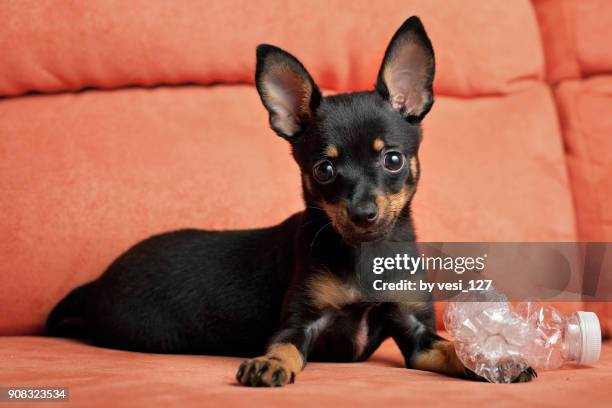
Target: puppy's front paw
[(526, 375), (264, 372), (506, 371)]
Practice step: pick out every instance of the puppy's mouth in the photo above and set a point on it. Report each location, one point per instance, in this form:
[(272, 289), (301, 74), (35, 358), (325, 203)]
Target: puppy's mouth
[(389, 207), (355, 235)]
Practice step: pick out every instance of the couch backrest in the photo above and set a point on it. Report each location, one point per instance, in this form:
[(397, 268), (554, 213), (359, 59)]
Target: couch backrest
[(86, 174), (483, 48), (576, 36)]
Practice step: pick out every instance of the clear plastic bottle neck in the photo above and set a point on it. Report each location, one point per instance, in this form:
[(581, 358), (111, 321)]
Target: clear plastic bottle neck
[(572, 339)]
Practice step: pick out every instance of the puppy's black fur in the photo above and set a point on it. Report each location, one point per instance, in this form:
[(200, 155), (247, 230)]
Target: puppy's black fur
[(289, 292)]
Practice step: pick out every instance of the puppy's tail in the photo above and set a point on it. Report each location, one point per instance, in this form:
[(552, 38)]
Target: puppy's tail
[(68, 317)]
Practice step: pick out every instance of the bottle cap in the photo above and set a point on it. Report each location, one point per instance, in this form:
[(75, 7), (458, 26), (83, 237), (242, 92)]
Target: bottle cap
[(591, 337)]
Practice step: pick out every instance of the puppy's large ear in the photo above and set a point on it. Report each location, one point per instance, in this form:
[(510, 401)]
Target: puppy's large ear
[(286, 90), (407, 72)]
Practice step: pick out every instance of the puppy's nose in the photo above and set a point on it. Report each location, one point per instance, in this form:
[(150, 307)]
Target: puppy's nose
[(364, 214)]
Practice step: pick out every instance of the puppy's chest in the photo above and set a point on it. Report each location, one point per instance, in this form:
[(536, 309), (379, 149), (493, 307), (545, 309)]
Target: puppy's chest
[(344, 325), (327, 291), (344, 334)]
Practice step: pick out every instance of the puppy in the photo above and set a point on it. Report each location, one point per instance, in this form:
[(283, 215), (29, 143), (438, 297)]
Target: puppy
[(289, 293)]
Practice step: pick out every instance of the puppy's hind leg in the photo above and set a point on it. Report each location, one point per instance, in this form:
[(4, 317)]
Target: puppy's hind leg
[(68, 317)]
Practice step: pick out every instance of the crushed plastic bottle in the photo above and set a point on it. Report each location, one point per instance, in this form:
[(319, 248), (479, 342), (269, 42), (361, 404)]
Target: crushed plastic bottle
[(498, 342)]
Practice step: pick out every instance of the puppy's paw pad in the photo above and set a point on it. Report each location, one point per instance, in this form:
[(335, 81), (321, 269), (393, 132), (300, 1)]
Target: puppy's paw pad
[(264, 372)]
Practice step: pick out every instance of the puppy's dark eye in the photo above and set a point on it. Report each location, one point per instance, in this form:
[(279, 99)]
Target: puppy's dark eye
[(394, 161), (324, 171)]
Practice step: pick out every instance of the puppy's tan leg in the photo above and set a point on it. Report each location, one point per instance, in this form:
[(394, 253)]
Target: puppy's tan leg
[(278, 367), (441, 358)]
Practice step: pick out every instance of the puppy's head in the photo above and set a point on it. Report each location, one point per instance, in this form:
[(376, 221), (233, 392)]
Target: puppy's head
[(357, 152)]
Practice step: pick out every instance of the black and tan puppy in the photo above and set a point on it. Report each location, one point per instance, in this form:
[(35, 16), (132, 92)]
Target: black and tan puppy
[(289, 293)]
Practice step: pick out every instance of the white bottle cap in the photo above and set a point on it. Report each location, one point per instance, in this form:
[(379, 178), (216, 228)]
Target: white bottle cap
[(591, 337)]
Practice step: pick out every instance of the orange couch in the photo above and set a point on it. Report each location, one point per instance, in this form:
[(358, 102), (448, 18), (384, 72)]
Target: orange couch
[(580, 73), (119, 120)]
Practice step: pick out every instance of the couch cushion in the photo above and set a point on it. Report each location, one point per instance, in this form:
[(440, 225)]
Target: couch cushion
[(99, 170), (481, 47), (99, 377), (576, 37), (585, 109), (493, 170)]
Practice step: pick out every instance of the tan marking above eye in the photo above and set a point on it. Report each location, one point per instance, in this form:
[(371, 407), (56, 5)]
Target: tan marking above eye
[(379, 144), (331, 151)]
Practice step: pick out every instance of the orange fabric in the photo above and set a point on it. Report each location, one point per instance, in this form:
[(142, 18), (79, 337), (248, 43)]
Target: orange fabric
[(556, 23), (604, 313), (117, 166), (85, 175), (490, 167), (576, 36), (585, 109), (100, 377), (481, 47), (98, 171)]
